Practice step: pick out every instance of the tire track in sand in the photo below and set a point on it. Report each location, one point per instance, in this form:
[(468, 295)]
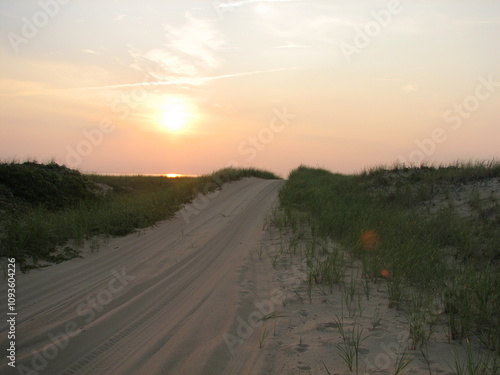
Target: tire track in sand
[(172, 316)]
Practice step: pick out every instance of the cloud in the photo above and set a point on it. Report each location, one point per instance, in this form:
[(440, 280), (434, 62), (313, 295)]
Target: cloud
[(410, 88), (387, 79), (476, 21), (18, 88), (53, 78), (190, 51), (236, 3), (328, 21), (188, 81), (291, 46), (171, 64), (324, 29), (197, 39), (121, 17)]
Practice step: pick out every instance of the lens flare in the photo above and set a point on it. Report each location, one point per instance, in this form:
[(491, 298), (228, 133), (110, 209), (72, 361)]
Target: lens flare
[(370, 240)]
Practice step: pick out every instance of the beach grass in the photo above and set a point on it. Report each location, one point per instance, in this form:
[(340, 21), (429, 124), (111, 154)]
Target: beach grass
[(431, 232), (49, 211)]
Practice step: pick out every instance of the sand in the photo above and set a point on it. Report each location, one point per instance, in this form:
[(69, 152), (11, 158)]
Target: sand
[(162, 301), (306, 340)]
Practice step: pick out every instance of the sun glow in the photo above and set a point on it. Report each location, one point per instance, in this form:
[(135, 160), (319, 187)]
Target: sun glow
[(175, 114)]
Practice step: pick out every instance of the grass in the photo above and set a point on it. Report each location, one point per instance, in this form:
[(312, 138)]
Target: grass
[(263, 337), (484, 364), (391, 221), (349, 348), (326, 368), (49, 211), (425, 356), (402, 361)]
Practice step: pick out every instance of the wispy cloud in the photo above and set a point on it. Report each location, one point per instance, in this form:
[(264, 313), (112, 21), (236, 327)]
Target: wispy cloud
[(121, 17), (198, 40), (18, 88), (323, 28), (476, 22), (190, 51), (328, 21), (235, 4), (387, 79), (410, 88), (187, 81), (291, 46)]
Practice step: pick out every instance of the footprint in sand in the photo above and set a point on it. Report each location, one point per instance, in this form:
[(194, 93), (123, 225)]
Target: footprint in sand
[(301, 348), (301, 366), (328, 327)]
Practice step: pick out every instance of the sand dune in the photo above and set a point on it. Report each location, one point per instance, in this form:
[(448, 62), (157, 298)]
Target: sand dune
[(163, 301)]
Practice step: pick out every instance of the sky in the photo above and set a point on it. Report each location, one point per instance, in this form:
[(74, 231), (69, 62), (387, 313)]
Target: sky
[(194, 86)]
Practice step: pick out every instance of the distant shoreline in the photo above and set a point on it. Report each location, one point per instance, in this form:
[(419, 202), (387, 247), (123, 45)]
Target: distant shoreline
[(168, 175)]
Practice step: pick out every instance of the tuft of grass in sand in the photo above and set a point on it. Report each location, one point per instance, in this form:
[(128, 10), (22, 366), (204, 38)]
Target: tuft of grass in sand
[(415, 227), (48, 211)]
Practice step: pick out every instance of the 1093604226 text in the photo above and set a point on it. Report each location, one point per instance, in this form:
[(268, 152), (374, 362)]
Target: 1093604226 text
[(11, 311)]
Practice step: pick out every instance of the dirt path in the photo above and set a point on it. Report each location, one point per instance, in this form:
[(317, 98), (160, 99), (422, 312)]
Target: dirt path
[(161, 302)]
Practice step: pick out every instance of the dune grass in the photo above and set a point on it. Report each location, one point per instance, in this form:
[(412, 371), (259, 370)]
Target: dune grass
[(45, 218), (437, 260)]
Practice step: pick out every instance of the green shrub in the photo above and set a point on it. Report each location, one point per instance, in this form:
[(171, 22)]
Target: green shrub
[(48, 185)]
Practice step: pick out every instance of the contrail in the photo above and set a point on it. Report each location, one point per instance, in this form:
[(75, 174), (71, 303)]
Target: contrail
[(185, 80)]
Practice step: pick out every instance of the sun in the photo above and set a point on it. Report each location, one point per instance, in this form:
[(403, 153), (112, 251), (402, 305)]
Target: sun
[(175, 115)]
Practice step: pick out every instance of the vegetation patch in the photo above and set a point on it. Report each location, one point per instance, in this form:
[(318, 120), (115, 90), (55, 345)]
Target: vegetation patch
[(46, 185), (431, 233), (47, 211)]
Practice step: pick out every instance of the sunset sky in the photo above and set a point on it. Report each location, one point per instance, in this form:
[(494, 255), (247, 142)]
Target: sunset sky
[(193, 86)]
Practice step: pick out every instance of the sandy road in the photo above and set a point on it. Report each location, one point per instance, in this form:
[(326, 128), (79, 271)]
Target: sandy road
[(155, 303)]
